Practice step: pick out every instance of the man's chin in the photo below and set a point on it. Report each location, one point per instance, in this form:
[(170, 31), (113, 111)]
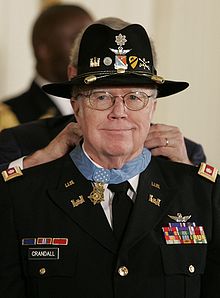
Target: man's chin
[(119, 151)]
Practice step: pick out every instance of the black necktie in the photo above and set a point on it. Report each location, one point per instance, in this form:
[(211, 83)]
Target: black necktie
[(121, 208)]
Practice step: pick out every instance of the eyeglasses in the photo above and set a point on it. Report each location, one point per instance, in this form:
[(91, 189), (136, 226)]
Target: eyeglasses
[(102, 100)]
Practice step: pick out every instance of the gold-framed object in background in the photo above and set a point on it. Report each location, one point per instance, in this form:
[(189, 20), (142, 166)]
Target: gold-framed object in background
[(46, 3)]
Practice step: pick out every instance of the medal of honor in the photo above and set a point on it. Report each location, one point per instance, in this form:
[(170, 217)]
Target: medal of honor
[(97, 194)]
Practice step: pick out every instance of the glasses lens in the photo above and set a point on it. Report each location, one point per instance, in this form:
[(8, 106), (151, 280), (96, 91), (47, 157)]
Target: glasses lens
[(136, 100), (100, 100)]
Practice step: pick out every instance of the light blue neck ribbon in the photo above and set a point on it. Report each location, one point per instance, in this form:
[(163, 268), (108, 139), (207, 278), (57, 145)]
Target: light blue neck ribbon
[(115, 176)]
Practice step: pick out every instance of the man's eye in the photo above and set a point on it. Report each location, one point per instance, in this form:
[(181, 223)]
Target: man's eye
[(133, 97), (102, 97)]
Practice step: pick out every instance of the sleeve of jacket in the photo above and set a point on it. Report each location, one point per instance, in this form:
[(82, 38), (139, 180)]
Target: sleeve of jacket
[(195, 152), (11, 276), (9, 147), (211, 278)]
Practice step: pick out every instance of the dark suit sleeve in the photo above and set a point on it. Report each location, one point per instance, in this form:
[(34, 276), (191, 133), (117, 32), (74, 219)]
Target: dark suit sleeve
[(195, 152), (211, 278), (9, 147), (23, 140), (27, 138)]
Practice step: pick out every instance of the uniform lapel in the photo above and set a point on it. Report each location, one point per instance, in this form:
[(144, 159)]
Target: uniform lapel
[(152, 201), (91, 218)]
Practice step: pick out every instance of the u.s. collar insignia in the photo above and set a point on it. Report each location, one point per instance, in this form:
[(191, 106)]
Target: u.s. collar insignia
[(69, 183), (11, 173), (97, 194), (155, 184), (208, 171), (120, 54), (180, 218)]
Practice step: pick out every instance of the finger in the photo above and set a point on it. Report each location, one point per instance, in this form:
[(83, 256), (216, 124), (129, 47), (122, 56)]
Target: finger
[(178, 154), (73, 128), (161, 128), (154, 143)]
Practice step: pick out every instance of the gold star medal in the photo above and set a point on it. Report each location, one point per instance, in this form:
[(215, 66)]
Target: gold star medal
[(97, 194)]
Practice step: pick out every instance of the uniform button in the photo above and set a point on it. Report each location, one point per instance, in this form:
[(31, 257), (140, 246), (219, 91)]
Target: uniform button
[(191, 269), (42, 271), (123, 271)]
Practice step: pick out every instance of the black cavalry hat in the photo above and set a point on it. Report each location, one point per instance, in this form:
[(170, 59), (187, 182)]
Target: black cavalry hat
[(110, 57)]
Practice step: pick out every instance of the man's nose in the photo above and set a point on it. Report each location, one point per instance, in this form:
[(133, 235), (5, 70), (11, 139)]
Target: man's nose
[(118, 109)]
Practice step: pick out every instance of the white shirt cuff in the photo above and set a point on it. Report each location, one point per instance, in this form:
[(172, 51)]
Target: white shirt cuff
[(18, 162)]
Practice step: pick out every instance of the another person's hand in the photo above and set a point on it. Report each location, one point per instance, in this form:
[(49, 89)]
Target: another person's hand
[(59, 146), (168, 141)]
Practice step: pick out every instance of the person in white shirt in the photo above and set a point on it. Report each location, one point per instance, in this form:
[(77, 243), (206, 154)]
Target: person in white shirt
[(53, 34)]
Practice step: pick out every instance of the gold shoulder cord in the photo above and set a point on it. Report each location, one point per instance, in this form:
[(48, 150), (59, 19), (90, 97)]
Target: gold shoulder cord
[(7, 117), (51, 112)]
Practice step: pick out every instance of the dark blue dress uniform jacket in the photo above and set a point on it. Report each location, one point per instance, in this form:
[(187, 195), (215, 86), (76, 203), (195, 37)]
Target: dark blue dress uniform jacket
[(38, 204), (33, 104)]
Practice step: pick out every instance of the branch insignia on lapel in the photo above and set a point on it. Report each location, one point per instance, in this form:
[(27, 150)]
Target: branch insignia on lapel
[(11, 173), (208, 171), (78, 202), (153, 200)]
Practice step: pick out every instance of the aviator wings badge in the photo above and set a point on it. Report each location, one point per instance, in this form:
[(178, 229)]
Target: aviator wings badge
[(180, 218)]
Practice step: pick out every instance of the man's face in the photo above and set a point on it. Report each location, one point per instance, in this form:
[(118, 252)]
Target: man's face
[(60, 44), (116, 132)]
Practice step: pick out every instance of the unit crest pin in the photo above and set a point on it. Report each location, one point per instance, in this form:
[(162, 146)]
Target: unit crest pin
[(120, 54)]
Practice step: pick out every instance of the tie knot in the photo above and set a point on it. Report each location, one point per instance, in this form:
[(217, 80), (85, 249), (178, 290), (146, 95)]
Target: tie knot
[(120, 187)]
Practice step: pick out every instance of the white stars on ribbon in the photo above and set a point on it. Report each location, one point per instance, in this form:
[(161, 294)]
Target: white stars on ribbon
[(101, 175)]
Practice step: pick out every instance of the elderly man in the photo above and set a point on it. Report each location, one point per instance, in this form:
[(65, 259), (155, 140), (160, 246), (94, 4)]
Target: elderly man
[(22, 141), (108, 219)]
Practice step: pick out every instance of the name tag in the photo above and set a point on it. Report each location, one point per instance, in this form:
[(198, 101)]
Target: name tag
[(43, 253)]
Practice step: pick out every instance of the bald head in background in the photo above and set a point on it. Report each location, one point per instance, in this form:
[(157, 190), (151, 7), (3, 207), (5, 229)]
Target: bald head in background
[(52, 37), (53, 34)]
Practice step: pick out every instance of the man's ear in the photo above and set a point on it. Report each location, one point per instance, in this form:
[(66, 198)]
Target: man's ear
[(155, 105), (75, 106), (153, 109), (71, 71), (42, 52)]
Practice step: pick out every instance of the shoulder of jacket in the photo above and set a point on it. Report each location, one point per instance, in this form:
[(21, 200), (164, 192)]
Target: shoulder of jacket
[(208, 171), (11, 173), (7, 117)]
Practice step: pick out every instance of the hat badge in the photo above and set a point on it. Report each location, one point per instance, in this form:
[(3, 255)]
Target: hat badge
[(120, 54)]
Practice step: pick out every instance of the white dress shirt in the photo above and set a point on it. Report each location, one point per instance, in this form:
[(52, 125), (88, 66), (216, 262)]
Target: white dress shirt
[(63, 104)]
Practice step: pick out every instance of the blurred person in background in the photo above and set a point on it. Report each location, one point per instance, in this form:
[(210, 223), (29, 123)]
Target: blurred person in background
[(53, 34)]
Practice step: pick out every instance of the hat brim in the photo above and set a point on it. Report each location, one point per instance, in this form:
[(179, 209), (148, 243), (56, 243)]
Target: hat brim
[(64, 89)]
